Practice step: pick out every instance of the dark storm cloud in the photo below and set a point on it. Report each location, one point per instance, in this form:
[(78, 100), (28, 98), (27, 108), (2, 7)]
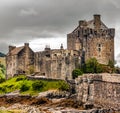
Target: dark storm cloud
[(25, 20)]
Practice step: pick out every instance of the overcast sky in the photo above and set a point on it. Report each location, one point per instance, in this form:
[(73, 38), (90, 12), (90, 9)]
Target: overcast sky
[(46, 22)]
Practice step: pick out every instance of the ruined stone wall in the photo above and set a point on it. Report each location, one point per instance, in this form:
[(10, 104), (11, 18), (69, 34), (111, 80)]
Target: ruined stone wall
[(57, 64), (11, 65), (99, 89)]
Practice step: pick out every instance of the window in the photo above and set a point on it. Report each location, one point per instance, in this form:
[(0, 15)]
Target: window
[(99, 47)]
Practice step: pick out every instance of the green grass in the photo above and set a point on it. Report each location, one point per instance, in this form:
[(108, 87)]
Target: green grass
[(25, 86)]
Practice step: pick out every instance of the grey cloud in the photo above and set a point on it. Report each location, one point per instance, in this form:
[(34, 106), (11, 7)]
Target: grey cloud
[(28, 12), (25, 20)]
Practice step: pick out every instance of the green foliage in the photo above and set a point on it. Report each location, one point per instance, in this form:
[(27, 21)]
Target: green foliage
[(111, 64), (31, 70), (37, 85), (2, 79), (2, 72), (76, 73), (25, 86), (92, 66), (63, 86), (20, 78)]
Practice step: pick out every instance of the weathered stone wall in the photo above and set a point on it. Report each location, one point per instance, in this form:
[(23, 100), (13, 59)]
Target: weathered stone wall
[(57, 63), (94, 38), (99, 89), (19, 60)]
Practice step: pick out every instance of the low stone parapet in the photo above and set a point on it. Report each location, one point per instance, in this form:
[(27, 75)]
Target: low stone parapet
[(99, 89)]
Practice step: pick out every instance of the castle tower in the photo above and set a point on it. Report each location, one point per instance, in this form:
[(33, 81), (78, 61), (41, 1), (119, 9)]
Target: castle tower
[(95, 38)]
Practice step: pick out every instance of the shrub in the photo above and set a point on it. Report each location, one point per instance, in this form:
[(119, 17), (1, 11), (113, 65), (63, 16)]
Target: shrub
[(20, 78), (111, 64), (24, 87), (2, 79), (37, 85), (63, 86), (92, 66), (3, 89), (76, 73)]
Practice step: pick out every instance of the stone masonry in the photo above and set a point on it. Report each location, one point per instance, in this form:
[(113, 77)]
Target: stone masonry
[(93, 39), (99, 89), (90, 39), (56, 64)]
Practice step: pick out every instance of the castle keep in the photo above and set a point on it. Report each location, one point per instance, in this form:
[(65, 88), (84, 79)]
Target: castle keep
[(93, 39), (90, 39)]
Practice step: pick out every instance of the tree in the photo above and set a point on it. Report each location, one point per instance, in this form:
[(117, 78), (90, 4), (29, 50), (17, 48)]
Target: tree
[(111, 64), (76, 73), (92, 66)]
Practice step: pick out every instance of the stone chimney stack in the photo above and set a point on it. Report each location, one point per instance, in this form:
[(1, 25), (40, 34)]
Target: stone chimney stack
[(11, 48), (97, 21), (82, 23), (61, 47), (26, 44)]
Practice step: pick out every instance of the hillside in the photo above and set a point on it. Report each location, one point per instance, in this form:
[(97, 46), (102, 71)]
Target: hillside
[(2, 54), (2, 61), (26, 86)]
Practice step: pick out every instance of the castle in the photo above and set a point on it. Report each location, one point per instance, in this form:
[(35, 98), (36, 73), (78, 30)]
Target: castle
[(90, 39)]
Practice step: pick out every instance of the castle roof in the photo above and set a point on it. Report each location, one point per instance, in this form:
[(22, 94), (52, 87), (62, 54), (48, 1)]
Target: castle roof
[(90, 24), (16, 50)]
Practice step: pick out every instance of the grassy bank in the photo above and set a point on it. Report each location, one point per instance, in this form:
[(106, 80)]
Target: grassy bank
[(25, 86)]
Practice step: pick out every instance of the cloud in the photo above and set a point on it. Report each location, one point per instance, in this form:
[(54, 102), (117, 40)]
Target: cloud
[(28, 12), (29, 20)]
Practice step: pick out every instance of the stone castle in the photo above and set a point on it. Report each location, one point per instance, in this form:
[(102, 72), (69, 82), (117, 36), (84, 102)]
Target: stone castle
[(90, 39)]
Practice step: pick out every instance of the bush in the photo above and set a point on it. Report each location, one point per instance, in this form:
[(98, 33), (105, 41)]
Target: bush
[(92, 66), (111, 64), (63, 86), (3, 89), (37, 85), (76, 73), (20, 78), (2, 79), (24, 87)]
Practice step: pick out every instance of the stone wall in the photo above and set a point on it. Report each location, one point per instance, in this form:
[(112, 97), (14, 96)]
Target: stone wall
[(94, 38), (99, 89), (57, 63), (19, 60)]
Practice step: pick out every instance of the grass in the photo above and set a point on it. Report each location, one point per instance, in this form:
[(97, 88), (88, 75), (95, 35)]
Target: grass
[(32, 87)]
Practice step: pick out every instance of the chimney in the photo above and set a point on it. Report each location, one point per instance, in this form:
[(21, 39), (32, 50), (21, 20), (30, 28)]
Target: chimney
[(61, 47), (47, 48), (11, 48), (82, 23), (26, 44), (97, 21)]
